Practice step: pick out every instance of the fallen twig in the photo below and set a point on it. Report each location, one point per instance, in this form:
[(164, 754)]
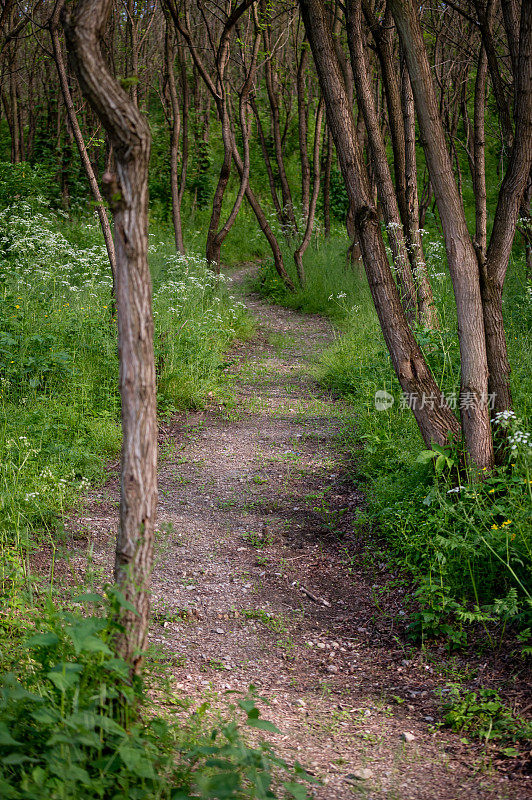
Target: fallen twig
[(315, 597)]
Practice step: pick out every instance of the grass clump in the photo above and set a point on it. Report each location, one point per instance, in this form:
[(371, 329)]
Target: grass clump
[(483, 715)]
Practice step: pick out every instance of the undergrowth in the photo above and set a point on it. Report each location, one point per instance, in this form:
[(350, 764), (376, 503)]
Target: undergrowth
[(467, 545), (73, 723), (59, 401)]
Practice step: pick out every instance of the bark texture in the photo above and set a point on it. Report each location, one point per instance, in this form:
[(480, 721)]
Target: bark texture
[(461, 256), (128, 190)]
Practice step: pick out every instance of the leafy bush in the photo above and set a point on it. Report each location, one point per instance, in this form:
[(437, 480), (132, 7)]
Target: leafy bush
[(484, 715), (73, 723)]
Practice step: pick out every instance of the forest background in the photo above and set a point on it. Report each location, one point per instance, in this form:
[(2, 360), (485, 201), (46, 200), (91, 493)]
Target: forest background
[(247, 165)]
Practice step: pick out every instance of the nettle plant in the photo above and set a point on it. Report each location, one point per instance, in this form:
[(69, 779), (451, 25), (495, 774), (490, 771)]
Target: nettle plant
[(73, 722), (480, 555)]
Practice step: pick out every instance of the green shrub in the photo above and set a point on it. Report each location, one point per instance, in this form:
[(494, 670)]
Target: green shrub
[(74, 723)]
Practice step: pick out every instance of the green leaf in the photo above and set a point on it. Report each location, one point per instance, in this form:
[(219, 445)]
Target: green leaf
[(83, 638), (49, 639), (425, 456), (89, 597), (297, 790), (136, 761), (263, 725), (5, 736), (64, 676), (118, 666)]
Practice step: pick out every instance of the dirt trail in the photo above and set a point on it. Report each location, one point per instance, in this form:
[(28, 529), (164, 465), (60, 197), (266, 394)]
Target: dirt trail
[(257, 581)]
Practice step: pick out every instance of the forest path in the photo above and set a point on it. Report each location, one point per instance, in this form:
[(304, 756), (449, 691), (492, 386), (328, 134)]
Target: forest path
[(257, 581)]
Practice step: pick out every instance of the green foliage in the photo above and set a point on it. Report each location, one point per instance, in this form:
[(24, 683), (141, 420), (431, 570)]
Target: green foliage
[(59, 402), (74, 723), (483, 714), (18, 181)]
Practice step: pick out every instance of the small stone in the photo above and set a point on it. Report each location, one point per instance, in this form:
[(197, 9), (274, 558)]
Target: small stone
[(406, 736), (219, 630), (332, 668), (362, 774), (428, 719), (321, 645)]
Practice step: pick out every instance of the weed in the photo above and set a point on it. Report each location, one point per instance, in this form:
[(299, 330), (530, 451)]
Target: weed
[(483, 714)]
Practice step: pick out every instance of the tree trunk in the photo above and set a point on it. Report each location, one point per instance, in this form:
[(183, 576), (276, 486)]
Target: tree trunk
[(493, 271), (425, 298), (385, 187), (302, 130), (175, 128), (461, 256), (327, 186), (435, 419), (128, 189), (479, 155), (267, 162), (300, 252)]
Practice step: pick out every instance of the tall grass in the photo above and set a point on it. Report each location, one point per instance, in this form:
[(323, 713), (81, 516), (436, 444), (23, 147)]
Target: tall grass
[(59, 402)]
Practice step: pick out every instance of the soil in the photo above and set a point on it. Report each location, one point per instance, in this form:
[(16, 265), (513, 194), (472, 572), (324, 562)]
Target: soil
[(265, 575)]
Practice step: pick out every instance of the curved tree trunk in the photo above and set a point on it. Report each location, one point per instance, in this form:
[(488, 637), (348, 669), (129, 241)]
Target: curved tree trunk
[(130, 137)]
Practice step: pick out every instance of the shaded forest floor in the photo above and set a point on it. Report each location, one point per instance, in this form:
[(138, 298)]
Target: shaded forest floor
[(264, 576)]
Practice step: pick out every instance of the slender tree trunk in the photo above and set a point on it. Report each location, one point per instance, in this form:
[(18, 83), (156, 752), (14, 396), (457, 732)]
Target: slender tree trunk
[(435, 419), (425, 298), (267, 162), (129, 134), (185, 94), (264, 225), (381, 168), (493, 270), (302, 130), (327, 186), (271, 86), (300, 252), (175, 129), (479, 155), (80, 142)]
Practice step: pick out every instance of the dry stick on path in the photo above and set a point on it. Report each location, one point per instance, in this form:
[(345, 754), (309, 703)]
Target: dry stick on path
[(53, 26), (130, 137)]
